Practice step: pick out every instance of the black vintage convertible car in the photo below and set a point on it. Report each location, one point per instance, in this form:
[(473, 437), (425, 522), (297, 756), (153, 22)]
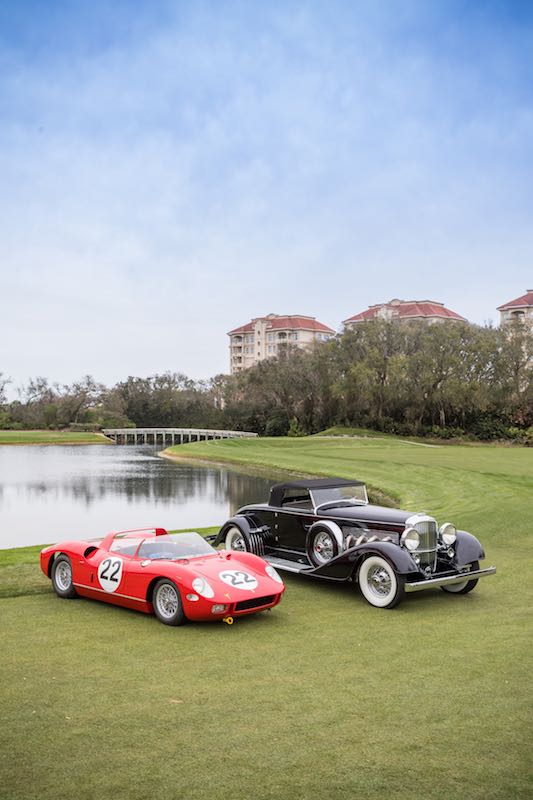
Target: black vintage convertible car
[(326, 528)]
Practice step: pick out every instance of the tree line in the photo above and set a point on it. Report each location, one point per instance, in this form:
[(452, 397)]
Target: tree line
[(443, 380)]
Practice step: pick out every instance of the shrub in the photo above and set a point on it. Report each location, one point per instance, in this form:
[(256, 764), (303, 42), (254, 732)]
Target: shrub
[(294, 428), (85, 427), (277, 423)]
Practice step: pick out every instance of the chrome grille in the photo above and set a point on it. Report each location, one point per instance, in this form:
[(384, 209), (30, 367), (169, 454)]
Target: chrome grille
[(426, 528)]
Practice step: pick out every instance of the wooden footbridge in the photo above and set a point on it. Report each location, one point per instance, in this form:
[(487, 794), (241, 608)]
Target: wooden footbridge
[(166, 436)]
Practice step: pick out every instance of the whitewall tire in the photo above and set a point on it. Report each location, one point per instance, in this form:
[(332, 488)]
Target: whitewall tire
[(465, 586), (379, 583), (235, 540)]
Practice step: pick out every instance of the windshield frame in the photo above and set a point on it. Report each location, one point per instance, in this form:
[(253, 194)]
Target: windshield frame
[(171, 537), (318, 499)]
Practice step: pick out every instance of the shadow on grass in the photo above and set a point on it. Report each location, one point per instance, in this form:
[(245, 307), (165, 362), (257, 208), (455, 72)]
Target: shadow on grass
[(347, 590), (103, 609)]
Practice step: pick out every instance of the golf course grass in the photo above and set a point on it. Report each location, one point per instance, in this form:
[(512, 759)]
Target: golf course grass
[(52, 437), (324, 697)]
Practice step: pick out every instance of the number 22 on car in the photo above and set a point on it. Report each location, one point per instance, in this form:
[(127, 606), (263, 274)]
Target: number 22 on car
[(238, 579), (110, 574)]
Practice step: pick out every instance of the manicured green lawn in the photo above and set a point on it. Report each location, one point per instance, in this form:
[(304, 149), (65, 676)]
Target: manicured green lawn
[(325, 697), (52, 437), (343, 430)]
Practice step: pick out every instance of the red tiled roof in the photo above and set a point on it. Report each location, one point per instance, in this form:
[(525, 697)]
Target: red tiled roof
[(243, 329), (294, 322), (408, 309), (520, 302)]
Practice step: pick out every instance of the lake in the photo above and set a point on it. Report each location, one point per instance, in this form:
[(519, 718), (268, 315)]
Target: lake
[(60, 492)]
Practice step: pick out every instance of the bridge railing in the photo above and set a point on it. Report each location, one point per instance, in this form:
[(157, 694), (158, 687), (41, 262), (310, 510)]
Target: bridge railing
[(144, 435)]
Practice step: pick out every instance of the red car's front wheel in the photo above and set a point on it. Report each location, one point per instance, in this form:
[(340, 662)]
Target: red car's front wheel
[(167, 604)]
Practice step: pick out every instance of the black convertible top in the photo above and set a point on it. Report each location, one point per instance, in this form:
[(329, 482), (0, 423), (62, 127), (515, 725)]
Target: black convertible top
[(276, 491)]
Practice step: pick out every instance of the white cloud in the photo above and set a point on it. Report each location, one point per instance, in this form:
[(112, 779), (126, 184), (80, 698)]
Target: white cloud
[(160, 190)]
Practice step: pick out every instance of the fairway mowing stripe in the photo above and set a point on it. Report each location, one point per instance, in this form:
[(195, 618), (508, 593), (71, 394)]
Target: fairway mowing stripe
[(420, 444)]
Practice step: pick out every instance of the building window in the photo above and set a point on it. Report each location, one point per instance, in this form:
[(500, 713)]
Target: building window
[(295, 336), (270, 337)]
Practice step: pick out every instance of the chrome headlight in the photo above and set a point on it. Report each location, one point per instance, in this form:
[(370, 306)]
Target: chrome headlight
[(203, 588), (410, 538), (448, 533), (273, 573)]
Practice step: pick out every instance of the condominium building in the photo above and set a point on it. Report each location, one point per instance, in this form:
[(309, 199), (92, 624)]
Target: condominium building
[(264, 337), (520, 309), (427, 310)]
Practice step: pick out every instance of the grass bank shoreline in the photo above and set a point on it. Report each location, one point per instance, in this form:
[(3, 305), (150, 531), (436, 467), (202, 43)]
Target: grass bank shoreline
[(252, 469), (45, 438), (254, 465)]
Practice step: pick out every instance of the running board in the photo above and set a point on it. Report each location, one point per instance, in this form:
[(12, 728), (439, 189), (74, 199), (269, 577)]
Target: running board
[(288, 566)]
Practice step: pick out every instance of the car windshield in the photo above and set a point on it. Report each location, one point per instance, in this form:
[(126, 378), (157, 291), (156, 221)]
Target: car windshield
[(340, 494), (174, 546)]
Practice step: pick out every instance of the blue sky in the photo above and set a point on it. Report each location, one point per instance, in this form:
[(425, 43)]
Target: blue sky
[(169, 170)]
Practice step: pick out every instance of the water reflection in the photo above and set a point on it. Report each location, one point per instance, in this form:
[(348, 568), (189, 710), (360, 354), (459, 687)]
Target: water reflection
[(50, 493)]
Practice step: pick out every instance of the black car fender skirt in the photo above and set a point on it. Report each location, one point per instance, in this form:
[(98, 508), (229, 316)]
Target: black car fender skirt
[(400, 558), (253, 535), (239, 522), (346, 564), (467, 549)]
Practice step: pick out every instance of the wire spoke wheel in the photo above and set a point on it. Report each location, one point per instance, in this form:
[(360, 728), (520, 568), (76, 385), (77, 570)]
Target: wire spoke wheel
[(167, 604), (235, 540), (64, 576), (167, 601), (323, 547), (379, 583), (323, 543)]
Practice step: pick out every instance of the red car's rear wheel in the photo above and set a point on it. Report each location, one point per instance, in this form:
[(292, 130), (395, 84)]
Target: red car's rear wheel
[(62, 577)]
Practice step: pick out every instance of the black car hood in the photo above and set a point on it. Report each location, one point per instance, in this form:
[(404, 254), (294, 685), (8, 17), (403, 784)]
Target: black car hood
[(370, 513)]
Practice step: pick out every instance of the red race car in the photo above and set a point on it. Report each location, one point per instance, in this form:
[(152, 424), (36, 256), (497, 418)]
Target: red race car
[(176, 576)]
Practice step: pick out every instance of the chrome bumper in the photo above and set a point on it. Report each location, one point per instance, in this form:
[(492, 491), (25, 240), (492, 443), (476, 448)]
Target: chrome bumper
[(418, 586)]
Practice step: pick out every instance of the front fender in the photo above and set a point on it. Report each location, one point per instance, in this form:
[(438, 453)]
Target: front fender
[(246, 526), (46, 560), (467, 549), (345, 565)]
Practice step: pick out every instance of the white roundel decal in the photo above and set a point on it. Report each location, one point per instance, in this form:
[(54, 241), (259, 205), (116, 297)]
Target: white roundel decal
[(110, 573), (238, 579)]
